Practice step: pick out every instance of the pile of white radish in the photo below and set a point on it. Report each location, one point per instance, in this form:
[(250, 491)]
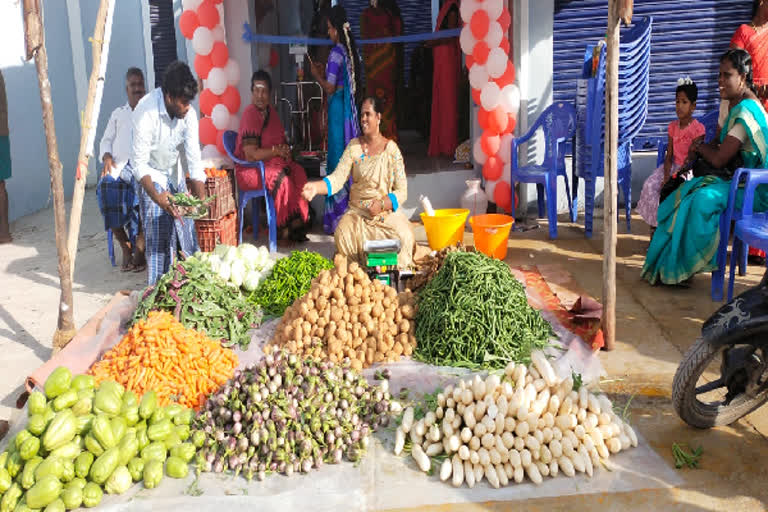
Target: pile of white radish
[(531, 423)]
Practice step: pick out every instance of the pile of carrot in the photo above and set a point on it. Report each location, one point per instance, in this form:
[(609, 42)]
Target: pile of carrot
[(212, 172), (181, 365)]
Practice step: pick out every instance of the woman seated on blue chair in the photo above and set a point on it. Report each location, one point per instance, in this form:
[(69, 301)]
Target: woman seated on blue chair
[(261, 137), (686, 239)]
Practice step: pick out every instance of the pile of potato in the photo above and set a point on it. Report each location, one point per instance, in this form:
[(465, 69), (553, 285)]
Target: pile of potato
[(345, 314)]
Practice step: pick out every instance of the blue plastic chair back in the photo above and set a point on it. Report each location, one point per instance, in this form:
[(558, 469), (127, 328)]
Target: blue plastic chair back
[(230, 142)]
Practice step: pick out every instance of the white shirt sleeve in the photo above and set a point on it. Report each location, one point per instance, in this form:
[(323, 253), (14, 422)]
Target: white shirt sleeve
[(192, 147), (143, 128), (108, 139)]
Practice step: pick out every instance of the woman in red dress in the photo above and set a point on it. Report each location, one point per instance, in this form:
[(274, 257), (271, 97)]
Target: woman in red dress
[(443, 135), (262, 138)]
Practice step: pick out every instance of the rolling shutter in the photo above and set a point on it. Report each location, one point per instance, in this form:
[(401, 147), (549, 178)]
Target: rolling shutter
[(688, 38), (163, 36)]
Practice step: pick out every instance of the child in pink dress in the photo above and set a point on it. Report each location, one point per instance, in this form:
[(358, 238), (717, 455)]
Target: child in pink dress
[(682, 133)]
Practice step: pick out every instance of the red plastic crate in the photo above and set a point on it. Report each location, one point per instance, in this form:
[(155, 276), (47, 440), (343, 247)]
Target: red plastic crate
[(213, 232), (224, 191)]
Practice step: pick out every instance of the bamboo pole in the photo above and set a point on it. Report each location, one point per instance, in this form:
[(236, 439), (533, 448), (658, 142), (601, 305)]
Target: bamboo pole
[(611, 174), (100, 50), (35, 41)]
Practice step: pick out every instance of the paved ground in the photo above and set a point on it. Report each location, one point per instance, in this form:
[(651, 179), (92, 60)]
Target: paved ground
[(655, 327)]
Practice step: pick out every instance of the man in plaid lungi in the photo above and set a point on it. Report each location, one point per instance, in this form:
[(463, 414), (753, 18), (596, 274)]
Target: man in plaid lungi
[(116, 188), (163, 122)]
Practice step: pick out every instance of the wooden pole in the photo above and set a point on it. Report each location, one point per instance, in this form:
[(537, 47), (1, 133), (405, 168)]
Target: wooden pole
[(611, 174), (100, 50), (35, 39)]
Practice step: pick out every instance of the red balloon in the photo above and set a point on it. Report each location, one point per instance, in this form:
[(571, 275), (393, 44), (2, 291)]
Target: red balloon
[(479, 24), (208, 14), (482, 118), (511, 123), (231, 99), (208, 100), (217, 1), (220, 142), (508, 78), (188, 22), (490, 143), (505, 20), (476, 96), (273, 58), (502, 196), (219, 55), (207, 131), (497, 120), (470, 60), (493, 168), (203, 65), (505, 45), (480, 52)]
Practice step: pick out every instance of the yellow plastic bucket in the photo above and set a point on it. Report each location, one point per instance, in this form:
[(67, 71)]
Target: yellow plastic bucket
[(445, 228), (491, 233)]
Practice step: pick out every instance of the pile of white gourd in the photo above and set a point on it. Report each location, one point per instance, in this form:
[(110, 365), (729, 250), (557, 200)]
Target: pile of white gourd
[(531, 423)]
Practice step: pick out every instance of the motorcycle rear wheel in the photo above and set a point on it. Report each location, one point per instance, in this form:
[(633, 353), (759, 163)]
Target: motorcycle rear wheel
[(684, 388)]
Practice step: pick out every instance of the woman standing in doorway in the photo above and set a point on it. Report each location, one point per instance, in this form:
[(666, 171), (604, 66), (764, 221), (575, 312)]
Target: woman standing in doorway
[(341, 83), (443, 135)]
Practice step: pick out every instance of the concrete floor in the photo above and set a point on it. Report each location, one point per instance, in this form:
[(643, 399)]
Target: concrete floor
[(655, 325)]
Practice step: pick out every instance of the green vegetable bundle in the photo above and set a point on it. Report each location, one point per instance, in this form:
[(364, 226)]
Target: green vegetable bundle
[(190, 206), (201, 300), (81, 441), (290, 280), (475, 314)]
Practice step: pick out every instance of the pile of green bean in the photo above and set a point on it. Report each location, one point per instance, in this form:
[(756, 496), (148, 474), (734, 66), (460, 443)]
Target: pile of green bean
[(475, 314)]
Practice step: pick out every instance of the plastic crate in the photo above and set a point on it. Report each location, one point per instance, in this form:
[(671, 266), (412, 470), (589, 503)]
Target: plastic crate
[(224, 190), (213, 232)]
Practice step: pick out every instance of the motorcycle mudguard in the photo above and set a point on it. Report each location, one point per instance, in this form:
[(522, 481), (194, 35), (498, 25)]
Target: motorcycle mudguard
[(745, 311)]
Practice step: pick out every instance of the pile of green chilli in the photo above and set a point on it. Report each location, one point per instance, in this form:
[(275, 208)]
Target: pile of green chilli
[(475, 314)]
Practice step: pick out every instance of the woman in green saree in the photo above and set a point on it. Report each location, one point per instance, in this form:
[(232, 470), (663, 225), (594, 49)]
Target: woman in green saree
[(688, 233)]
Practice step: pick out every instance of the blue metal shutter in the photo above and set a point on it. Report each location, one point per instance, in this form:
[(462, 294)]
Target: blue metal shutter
[(416, 15), (163, 32), (688, 38)]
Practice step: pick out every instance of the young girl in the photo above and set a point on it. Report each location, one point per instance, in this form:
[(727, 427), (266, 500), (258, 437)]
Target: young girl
[(682, 133)]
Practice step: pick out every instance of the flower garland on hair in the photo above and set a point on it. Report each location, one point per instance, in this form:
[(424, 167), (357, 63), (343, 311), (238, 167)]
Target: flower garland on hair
[(350, 59), (684, 81)]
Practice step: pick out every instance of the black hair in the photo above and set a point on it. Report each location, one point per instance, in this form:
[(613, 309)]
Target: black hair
[(391, 6), (690, 90), (756, 7), (741, 62), (134, 71), (178, 81), (337, 17), (261, 76), (452, 8), (376, 102)]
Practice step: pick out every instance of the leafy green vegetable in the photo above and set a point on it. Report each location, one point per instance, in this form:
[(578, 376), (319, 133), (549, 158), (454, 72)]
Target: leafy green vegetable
[(475, 314), (290, 279), (577, 383), (190, 206), (684, 458)]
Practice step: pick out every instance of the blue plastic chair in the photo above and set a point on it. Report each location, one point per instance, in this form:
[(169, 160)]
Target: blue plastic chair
[(709, 120), (634, 68), (558, 122), (230, 140), (751, 229)]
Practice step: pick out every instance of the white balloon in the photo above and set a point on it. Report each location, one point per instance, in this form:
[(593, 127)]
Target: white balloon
[(490, 187), (510, 99), (497, 62), (489, 96), (233, 72), (218, 33), (467, 9), (202, 41), (494, 8), (220, 116), (495, 35), (217, 81), (478, 76), (467, 41), (505, 150), (478, 153), (210, 152), (191, 4)]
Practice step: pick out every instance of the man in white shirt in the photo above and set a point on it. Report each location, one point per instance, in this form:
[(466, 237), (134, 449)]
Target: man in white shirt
[(163, 124), (116, 190)]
